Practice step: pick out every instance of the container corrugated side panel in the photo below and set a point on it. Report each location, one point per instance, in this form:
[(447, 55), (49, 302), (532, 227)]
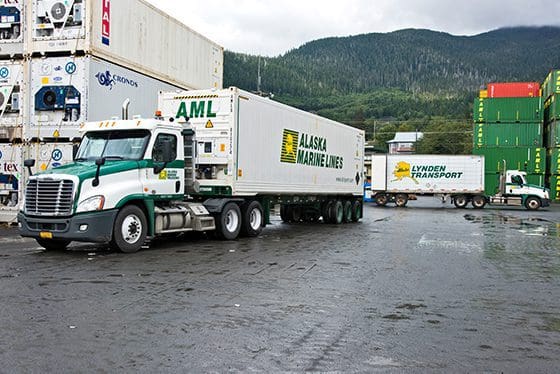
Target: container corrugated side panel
[(554, 184), (552, 134), (11, 181), (144, 39), (508, 110), (551, 84), (491, 183), (275, 155), (508, 134), (529, 159), (552, 108), (435, 173), (514, 89), (553, 160)]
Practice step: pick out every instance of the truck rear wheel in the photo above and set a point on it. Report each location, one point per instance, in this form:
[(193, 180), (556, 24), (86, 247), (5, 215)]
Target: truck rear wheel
[(401, 199), (381, 199), (130, 229), (53, 244), (252, 218), (460, 201), (478, 202), (347, 211), (532, 203), (228, 222), (336, 213), (356, 210)]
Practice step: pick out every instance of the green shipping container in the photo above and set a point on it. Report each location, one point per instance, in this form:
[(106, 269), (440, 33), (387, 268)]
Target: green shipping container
[(552, 134), (553, 161), (508, 134), (518, 109), (536, 179), (551, 84), (529, 159), (554, 187), (552, 108)]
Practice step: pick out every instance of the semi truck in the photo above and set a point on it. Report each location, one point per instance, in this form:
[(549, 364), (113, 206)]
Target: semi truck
[(216, 161), (459, 178)]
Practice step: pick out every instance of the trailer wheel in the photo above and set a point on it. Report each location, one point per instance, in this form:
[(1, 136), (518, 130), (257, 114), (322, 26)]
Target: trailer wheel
[(336, 213), (478, 202), (381, 199), (53, 244), (252, 219), (460, 201), (284, 213), (401, 199), (356, 210), (326, 211), (228, 222), (295, 213), (532, 203), (130, 229), (347, 211)]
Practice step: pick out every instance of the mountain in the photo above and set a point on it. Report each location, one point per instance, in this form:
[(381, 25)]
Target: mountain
[(400, 81)]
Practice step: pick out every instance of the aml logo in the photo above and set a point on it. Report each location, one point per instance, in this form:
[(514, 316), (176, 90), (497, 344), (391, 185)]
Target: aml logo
[(289, 146)]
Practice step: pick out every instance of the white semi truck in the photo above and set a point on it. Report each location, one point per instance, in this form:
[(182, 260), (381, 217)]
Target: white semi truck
[(217, 161), (461, 178)]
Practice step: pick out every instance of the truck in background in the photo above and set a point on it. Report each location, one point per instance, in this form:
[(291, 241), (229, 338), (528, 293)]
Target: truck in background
[(395, 177), (217, 160)]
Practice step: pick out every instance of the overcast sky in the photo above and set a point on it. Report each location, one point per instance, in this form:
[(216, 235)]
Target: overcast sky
[(272, 28)]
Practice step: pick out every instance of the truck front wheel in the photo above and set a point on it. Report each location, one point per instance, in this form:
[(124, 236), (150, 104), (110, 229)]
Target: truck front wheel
[(130, 229), (252, 214), (532, 203), (228, 222), (53, 244)]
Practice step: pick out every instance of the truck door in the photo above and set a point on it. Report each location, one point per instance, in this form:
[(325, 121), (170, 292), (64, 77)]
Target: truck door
[(170, 180)]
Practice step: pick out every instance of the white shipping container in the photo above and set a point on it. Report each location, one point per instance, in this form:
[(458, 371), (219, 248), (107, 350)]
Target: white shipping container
[(14, 105), (255, 145), (131, 33), (67, 91), (13, 23), (430, 174), (48, 155), (11, 180)]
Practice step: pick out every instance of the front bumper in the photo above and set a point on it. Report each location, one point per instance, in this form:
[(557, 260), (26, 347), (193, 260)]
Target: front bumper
[(99, 227), (545, 202)]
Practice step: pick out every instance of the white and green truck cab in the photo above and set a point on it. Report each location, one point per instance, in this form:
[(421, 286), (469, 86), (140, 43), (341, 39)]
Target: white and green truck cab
[(221, 171)]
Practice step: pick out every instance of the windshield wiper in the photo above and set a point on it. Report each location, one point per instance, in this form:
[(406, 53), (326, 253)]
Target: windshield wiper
[(81, 159)]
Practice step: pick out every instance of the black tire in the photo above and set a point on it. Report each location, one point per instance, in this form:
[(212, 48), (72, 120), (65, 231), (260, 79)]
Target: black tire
[(53, 244), (325, 211), (347, 216), (533, 203), (228, 222), (478, 202), (356, 210), (252, 215), (401, 199), (284, 213), (460, 201), (336, 212), (381, 199), (130, 229), (296, 213)]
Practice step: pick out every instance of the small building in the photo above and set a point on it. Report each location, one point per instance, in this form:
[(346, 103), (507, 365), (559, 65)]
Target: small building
[(404, 143)]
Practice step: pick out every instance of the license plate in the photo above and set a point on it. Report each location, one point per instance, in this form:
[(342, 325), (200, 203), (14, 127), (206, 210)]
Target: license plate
[(45, 235)]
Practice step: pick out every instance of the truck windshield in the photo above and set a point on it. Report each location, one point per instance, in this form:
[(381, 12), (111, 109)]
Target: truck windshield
[(116, 145)]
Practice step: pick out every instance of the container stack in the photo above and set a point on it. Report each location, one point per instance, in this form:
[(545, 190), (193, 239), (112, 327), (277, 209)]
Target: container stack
[(64, 62), (551, 96), (509, 127)]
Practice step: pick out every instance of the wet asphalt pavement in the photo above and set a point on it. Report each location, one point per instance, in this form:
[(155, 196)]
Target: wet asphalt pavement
[(428, 288)]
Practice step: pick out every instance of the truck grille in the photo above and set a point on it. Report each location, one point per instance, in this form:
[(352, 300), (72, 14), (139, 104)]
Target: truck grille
[(49, 197)]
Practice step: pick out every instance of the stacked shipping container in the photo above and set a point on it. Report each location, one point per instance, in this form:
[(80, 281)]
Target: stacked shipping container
[(63, 62), (551, 96), (509, 127)]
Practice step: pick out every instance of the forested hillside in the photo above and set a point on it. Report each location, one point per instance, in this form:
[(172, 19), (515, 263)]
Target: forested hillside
[(408, 78)]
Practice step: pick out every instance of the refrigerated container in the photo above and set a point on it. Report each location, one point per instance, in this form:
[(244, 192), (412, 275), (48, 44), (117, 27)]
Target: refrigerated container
[(11, 180), (67, 91), (131, 33), (14, 106), (12, 28)]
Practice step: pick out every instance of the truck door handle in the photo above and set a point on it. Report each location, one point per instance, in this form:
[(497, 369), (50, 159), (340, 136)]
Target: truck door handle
[(177, 186)]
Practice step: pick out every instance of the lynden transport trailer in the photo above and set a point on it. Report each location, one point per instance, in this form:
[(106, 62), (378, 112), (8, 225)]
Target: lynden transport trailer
[(461, 178), (218, 161)]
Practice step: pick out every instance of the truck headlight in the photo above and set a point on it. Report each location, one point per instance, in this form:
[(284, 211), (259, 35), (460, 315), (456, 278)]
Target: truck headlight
[(91, 204)]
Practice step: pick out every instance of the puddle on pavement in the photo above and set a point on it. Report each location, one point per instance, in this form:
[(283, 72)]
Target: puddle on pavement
[(531, 226)]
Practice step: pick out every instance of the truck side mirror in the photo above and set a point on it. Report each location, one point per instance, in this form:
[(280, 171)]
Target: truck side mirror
[(99, 162), (29, 163)]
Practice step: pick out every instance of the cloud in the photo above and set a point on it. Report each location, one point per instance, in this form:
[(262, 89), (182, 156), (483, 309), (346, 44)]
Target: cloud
[(272, 28)]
